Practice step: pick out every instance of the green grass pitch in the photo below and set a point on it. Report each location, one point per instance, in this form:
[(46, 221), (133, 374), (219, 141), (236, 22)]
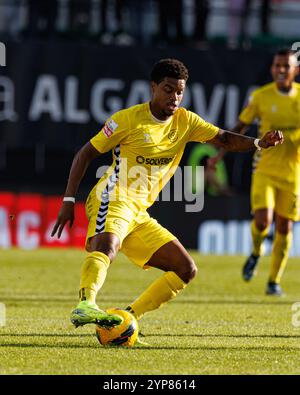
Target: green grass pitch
[(217, 325)]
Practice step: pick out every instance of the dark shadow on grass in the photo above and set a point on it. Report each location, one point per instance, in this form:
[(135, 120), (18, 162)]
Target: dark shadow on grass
[(276, 301), (71, 335), (220, 335), (177, 347), (46, 334), (125, 302), (54, 300), (221, 348)]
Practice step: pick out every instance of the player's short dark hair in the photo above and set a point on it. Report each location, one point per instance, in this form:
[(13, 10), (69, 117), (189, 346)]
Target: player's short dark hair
[(171, 68), (284, 52)]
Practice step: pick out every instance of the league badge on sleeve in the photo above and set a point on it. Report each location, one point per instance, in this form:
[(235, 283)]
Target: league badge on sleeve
[(110, 127)]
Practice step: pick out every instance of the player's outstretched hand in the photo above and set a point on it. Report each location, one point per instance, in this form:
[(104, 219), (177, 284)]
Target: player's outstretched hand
[(66, 213), (272, 138)]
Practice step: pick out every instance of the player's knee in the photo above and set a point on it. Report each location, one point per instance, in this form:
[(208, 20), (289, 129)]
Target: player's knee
[(111, 251), (188, 270), (262, 225), (193, 271), (107, 244), (108, 249), (284, 226)]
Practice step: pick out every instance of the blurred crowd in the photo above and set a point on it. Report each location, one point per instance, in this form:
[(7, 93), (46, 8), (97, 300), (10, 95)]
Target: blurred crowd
[(128, 22)]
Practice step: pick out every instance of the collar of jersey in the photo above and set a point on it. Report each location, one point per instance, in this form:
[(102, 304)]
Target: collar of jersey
[(292, 92), (158, 120)]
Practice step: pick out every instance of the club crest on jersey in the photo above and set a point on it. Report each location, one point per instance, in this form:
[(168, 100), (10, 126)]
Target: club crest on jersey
[(110, 127), (173, 136)]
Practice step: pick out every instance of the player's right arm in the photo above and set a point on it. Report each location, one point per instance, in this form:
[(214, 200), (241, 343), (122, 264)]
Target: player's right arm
[(79, 166)]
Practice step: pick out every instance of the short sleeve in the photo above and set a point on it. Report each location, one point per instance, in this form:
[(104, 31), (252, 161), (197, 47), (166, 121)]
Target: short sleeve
[(113, 132), (200, 130), (250, 112)]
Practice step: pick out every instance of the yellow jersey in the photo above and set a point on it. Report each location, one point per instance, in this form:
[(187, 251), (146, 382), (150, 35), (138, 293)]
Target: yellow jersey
[(146, 151), (277, 111)]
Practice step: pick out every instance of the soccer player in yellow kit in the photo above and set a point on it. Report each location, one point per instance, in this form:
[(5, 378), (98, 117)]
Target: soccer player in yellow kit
[(147, 139), (276, 172)]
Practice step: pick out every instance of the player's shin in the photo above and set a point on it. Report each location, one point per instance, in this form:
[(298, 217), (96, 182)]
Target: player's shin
[(280, 252), (159, 292), (93, 274), (258, 237)]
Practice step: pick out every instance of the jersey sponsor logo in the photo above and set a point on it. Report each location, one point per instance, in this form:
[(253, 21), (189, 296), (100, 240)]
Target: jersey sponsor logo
[(141, 160), (109, 127)]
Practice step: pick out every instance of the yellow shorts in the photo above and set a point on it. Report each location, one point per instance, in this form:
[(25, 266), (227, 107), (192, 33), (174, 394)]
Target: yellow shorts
[(266, 193), (140, 235)]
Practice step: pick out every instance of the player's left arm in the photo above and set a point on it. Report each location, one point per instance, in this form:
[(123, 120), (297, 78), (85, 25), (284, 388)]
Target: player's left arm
[(236, 142)]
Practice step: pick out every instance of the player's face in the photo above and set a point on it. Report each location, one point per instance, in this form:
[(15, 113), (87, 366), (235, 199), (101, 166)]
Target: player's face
[(166, 97), (284, 70)]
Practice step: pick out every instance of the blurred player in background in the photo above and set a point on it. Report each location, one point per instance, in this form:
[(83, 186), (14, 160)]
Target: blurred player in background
[(148, 139), (275, 184)]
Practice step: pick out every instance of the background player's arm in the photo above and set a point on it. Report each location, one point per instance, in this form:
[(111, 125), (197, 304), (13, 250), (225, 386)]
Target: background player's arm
[(240, 128), (246, 117), (231, 141), (79, 166)]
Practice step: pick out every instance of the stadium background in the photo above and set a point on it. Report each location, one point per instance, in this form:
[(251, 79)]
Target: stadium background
[(57, 89)]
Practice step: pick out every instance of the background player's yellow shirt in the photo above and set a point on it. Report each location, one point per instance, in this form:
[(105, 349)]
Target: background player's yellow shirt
[(147, 151), (276, 110)]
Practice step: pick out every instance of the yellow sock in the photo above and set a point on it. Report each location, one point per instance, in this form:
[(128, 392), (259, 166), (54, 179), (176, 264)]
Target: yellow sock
[(258, 237), (280, 253), (158, 293), (93, 274)]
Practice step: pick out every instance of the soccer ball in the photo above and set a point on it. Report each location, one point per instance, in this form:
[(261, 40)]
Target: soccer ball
[(124, 334)]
